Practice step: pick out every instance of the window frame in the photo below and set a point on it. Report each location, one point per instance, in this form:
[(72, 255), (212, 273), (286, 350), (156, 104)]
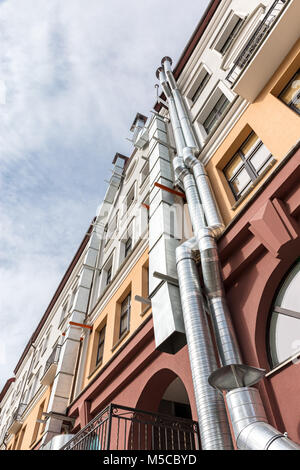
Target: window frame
[(125, 313), (276, 310), (246, 165), (101, 342), (290, 104), (217, 113)]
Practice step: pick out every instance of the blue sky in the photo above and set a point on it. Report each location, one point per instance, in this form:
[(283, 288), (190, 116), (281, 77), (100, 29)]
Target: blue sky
[(73, 74)]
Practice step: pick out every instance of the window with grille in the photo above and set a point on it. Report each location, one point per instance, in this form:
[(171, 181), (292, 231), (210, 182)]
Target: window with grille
[(125, 315), (250, 161)]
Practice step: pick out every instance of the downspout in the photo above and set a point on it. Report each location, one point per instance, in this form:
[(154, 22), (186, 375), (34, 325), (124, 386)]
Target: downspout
[(213, 424), (246, 410)]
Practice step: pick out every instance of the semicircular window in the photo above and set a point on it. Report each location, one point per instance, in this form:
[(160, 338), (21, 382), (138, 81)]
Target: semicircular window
[(284, 332)]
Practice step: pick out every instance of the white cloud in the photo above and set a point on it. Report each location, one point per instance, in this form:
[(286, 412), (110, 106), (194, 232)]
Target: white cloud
[(73, 74)]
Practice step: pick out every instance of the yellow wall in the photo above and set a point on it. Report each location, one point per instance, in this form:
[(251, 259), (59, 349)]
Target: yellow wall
[(23, 440), (110, 315), (275, 124)]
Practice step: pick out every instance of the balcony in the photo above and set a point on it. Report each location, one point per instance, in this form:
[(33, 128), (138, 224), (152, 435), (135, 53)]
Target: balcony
[(16, 420), (270, 42), (122, 428), (51, 366)]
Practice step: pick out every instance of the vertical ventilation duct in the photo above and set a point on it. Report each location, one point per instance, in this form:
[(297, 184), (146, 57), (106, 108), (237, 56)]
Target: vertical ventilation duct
[(214, 429), (244, 403)]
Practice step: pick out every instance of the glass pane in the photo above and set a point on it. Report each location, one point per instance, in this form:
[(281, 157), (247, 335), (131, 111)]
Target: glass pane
[(215, 113), (284, 330), (233, 166), (284, 337), (258, 159), (123, 324), (250, 142), (291, 91), (241, 181), (200, 87)]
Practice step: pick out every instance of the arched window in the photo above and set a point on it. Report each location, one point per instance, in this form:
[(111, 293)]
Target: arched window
[(284, 331)]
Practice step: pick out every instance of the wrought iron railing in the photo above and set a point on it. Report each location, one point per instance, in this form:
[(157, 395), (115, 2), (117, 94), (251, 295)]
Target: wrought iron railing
[(53, 358), (256, 39), (122, 428)]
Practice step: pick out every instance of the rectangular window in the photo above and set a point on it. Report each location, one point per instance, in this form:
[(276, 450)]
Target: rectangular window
[(200, 88), (108, 275), (125, 315), (291, 93), (112, 228), (247, 164), (100, 348), (128, 246), (228, 33), (130, 197), (144, 172), (231, 36), (215, 113)]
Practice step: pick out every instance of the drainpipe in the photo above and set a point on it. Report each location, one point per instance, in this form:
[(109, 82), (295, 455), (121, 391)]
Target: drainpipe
[(213, 424), (247, 415)]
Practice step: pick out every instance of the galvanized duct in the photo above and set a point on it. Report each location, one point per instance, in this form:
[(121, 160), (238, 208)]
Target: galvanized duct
[(244, 403), (225, 336), (214, 429), (213, 425), (250, 424), (211, 210)]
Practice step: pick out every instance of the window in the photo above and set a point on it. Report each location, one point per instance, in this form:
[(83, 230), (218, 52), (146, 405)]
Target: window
[(216, 113), (203, 81), (231, 36), (248, 163), (63, 312), (108, 275), (228, 33), (130, 197), (125, 315), (291, 93), (112, 227), (284, 331), (128, 246), (144, 172), (100, 348)]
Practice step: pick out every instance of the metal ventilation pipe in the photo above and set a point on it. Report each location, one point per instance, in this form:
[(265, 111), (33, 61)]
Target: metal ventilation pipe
[(212, 213), (244, 403), (181, 109), (250, 423), (213, 425), (214, 429)]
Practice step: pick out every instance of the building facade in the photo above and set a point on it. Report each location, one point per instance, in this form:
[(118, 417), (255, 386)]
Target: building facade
[(185, 284)]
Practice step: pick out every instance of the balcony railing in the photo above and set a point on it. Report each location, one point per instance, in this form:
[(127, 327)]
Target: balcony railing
[(256, 39), (122, 428)]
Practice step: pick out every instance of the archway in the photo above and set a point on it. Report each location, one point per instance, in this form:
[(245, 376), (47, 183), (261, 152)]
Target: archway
[(162, 419)]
